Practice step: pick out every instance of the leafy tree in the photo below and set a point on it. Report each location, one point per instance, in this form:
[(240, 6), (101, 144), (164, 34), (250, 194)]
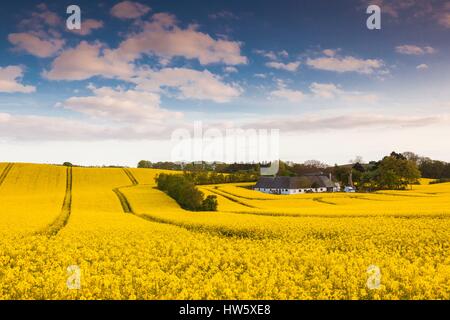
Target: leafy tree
[(144, 164), (397, 156), (284, 169), (411, 156), (210, 203), (393, 172), (340, 173), (358, 167), (315, 164), (358, 159)]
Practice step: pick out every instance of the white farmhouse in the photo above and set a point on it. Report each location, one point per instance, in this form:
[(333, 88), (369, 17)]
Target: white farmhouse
[(294, 185)]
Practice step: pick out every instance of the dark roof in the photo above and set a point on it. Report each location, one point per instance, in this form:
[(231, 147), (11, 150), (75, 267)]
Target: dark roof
[(321, 181), (310, 181)]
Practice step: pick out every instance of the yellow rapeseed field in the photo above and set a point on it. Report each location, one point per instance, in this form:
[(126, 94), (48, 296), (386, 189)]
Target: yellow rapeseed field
[(114, 236)]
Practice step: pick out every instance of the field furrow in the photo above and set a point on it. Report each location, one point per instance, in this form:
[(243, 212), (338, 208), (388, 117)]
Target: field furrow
[(66, 208), (130, 176), (5, 172)]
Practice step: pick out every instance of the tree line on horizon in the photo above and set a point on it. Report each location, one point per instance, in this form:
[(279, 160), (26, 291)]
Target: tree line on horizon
[(395, 171)]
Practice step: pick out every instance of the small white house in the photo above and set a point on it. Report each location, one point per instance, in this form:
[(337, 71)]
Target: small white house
[(295, 185)]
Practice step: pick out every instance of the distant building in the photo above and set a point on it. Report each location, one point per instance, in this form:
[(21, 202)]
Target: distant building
[(349, 189), (309, 183)]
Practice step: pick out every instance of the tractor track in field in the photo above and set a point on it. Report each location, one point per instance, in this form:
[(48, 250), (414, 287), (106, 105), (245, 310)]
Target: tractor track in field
[(63, 218), (130, 176), (126, 206), (215, 191), (5, 172), (255, 198), (403, 195), (261, 199), (320, 200), (219, 231), (243, 197), (367, 199)]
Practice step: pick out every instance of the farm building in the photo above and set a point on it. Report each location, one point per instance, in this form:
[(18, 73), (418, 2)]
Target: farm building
[(294, 185)]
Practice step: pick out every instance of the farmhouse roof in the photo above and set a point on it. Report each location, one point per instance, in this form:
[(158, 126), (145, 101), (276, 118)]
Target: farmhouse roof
[(309, 181)]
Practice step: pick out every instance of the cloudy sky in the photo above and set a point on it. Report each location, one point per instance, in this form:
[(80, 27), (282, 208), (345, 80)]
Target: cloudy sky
[(116, 90)]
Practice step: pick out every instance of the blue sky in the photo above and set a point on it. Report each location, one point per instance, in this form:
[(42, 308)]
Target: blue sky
[(138, 71)]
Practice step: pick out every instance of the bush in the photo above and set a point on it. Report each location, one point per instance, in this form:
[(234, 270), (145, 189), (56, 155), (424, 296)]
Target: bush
[(443, 180), (183, 191), (210, 203)]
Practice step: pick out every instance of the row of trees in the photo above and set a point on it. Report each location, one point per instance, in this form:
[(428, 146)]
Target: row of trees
[(183, 190), (205, 177), (201, 166), (394, 172), (434, 169), (429, 168)]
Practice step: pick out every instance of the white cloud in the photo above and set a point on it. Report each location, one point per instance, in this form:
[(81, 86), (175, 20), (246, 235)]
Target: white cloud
[(38, 128), (267, 54), (314, 122), (10, 80), (413, 9), (89, 60), (45, 128), (163, 38), (230, 69), (282, 92), (272, 55), (120, 105), (87, 26), (422, 66), (414, 50), (35, 45), (444, 19), (41, 16), (283, 53), (329, 52), (325, 90), (190, 84), (346, 64), (292, 66), (293, 96), (331, 91), (129, 10), (38, 34)]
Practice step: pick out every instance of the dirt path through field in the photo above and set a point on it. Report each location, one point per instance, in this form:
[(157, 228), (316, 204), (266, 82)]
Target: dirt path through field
[(61, 221)]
